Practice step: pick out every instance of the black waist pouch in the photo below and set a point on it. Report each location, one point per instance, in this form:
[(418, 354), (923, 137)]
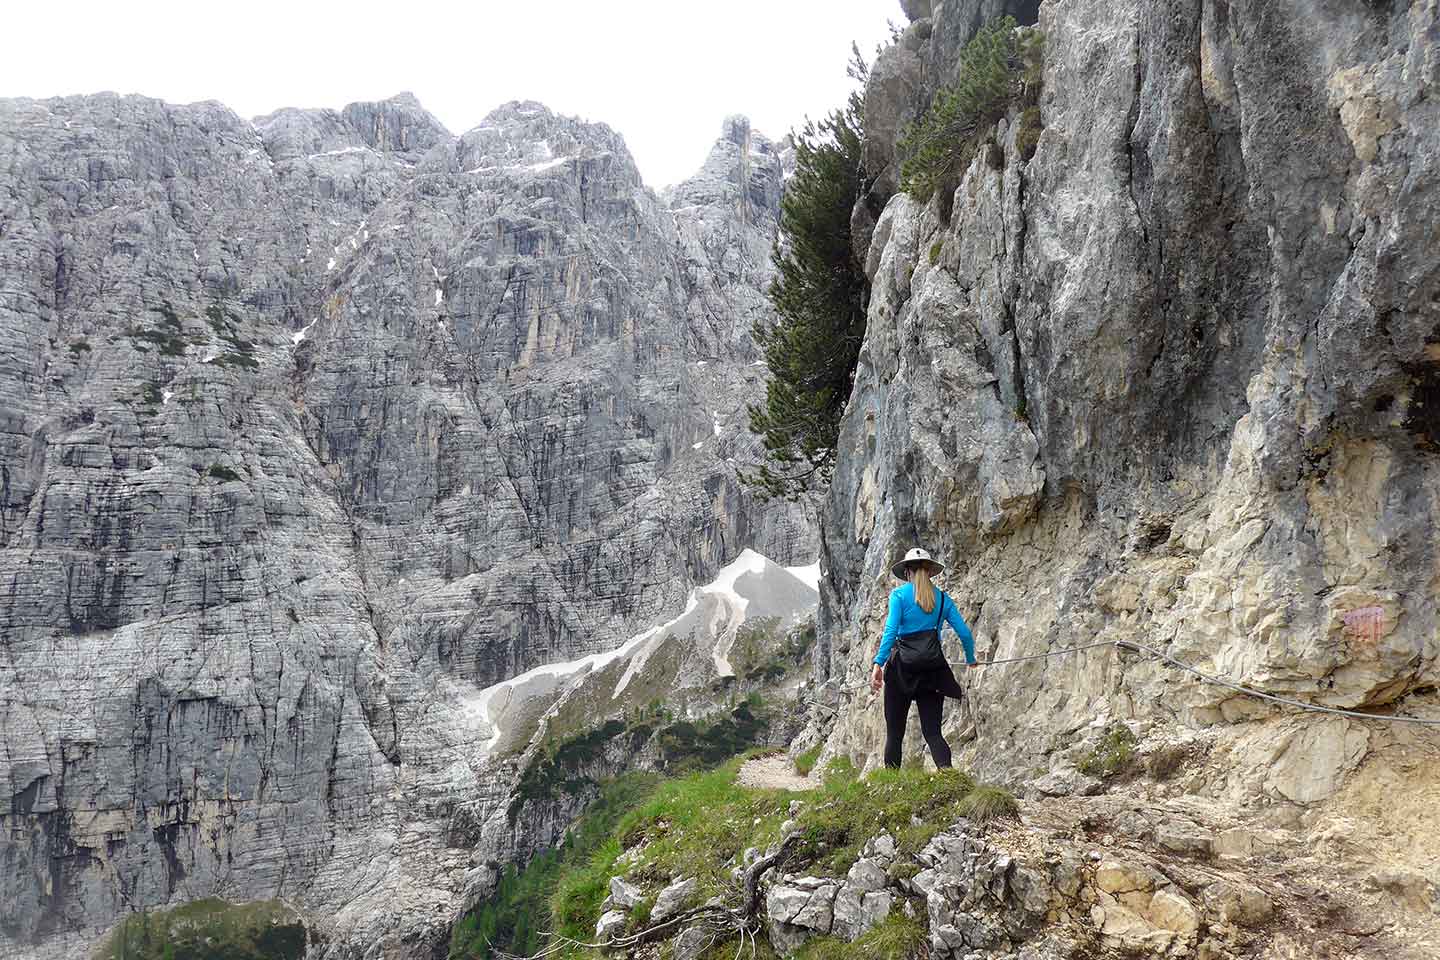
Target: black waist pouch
[(921, 650)]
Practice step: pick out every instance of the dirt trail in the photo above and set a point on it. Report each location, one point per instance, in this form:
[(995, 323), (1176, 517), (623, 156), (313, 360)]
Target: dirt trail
[(775, 772)]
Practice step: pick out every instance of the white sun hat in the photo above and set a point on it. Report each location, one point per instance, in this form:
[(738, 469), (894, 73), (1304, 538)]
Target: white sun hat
[(917, 555)]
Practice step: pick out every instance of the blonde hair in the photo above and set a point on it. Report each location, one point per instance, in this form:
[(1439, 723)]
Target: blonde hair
[(924, 589)]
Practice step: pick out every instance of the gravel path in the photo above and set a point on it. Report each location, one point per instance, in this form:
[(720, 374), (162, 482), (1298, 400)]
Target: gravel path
[(775, 772)]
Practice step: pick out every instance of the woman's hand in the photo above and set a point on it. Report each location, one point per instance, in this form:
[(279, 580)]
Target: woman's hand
[(974, 666), (877, 678)]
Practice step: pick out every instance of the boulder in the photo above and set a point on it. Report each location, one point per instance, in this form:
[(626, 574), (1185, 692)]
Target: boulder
[(673, 899), (611, 923), (623, 895)]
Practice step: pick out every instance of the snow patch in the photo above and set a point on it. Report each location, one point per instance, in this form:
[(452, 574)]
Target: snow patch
[(439, 296), (299, 335), (330, 266), (808, 574), (697, 446), (165, 396)]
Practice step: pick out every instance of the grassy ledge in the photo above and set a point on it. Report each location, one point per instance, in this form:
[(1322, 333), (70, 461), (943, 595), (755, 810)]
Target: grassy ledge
[(652, 831), (210, 930)]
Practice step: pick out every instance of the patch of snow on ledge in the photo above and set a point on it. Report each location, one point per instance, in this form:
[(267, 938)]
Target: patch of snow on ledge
[(809, 574), (299, 335)]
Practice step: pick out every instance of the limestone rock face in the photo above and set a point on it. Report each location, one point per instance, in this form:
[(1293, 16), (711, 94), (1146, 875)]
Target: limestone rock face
[(1171, 380), (310, 429)]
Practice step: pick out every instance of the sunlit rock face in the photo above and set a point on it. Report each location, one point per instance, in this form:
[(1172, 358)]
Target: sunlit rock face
[(1171, 379), (310, 427)]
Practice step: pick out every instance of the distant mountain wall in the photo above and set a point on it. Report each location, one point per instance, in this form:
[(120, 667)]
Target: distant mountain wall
[(312, 427)]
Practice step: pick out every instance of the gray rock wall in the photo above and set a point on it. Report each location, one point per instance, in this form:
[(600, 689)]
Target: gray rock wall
[(1170, 380), (310, 428)]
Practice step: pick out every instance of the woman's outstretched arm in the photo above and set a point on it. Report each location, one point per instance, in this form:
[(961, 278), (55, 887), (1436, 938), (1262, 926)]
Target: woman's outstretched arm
[(892, 627)]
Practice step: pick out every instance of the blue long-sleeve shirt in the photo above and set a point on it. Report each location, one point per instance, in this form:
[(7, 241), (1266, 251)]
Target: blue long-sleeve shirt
[(907, 617)]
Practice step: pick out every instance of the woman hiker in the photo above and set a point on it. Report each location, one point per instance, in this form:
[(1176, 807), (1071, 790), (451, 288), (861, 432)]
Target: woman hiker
[(910, 663)]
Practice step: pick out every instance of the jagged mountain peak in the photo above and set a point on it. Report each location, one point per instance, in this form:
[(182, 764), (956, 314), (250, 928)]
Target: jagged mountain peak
[(527, 133)]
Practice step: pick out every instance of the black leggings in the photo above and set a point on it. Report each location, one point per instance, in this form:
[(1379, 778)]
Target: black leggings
[(929, 701)]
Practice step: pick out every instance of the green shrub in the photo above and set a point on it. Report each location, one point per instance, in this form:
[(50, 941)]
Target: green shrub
[(806, 761), (1112, 755), (987, 802), (935, 251), (997, 67), (79, 346), (222, 473)]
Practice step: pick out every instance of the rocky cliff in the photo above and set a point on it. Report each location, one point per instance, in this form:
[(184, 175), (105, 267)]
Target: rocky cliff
[(310, 428), (1165, 374)]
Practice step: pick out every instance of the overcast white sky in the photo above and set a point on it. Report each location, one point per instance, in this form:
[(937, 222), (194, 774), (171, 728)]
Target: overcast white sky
[(664, 74)]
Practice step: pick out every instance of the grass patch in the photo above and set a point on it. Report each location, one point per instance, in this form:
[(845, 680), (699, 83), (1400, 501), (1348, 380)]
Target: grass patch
[(517, 915), (575, 907), (1027, 134), (897, 937), (1165, 762), (806, 761), (935, 251), (222, 473), (78, 347), (695, 825), (1113, 754), (987, 802), (209, 930), (911, 804)]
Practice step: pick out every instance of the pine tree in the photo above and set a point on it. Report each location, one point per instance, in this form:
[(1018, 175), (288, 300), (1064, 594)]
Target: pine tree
[(997, 66), (819, 295)]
